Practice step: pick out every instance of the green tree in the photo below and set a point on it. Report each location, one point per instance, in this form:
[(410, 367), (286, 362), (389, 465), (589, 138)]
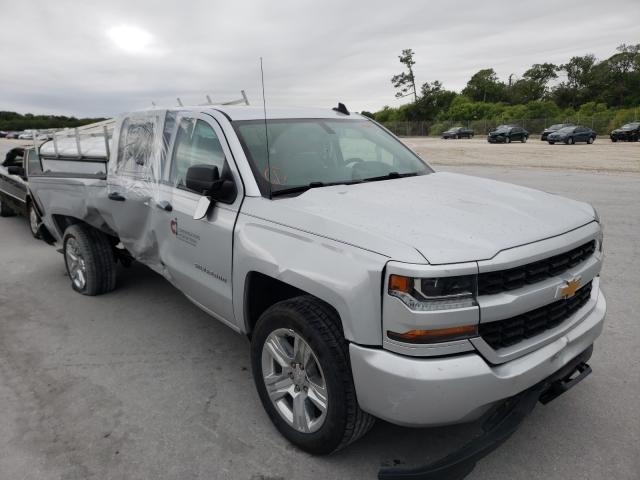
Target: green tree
[(484, 86), (405, 82)]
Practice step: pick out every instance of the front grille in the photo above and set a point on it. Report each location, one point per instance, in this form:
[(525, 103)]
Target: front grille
[(504, 280), (504, 333)]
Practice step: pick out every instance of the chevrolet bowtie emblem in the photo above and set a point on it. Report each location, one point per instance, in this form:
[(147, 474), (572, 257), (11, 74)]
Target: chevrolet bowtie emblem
[(570, 288)]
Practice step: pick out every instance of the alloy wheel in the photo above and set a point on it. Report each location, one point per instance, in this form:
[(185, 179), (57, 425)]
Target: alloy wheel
[(294, 380), (75, 264)]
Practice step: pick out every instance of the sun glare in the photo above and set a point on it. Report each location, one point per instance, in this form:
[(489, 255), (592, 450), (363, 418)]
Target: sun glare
[(130, 39)]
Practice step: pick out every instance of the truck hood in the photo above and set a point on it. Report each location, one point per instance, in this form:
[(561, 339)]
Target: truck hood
[(446, 217)]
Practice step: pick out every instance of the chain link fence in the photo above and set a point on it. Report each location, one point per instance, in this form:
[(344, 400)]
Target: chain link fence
[(602, 125)]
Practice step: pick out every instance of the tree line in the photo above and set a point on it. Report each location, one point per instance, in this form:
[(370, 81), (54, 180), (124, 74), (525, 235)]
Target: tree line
[(588, 87), (12, 121)]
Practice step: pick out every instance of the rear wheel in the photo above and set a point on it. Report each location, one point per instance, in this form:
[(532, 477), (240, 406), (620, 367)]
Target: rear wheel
[(614, 139), (5, 211), (551, 143), (590, 140), (34, 220), (507, 140), (524, 139), (88, 256), (301, 369)]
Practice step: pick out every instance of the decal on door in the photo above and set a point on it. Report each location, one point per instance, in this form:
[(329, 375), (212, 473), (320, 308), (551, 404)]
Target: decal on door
[(183, 235)]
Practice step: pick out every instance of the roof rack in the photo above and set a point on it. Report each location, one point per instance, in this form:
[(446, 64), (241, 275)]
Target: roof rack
[(94, 140)]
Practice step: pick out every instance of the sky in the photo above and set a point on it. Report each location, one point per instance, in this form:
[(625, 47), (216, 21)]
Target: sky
[(100, 58)]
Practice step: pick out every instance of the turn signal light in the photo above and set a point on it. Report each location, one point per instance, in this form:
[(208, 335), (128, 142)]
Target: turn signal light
[(435, 335)]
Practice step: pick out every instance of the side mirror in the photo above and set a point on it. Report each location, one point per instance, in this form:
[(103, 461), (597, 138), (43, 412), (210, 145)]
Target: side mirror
[(203, 179), (15, 170)]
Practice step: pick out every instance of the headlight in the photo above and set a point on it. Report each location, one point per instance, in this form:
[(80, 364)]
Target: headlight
[(429, 294)]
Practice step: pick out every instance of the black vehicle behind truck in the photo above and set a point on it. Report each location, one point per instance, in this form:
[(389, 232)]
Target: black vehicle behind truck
[(458, 132), (629, 132), (508, 134), (15, 198)]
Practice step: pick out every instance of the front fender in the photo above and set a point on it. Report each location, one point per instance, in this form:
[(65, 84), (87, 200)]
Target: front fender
[(346, 277)]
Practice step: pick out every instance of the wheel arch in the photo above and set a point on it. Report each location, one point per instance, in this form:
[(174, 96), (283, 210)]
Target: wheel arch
[(348, 279)]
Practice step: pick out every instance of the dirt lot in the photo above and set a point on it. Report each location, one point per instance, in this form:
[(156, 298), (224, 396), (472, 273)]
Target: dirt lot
[(603, 155), (141, 384)]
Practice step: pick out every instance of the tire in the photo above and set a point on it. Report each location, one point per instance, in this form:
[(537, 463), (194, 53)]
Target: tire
[(614, 139), (310, 320), (34, 220), (507, 140), (524, 139), (89, 259), (5, 211), (457, 137), (590, 140), (551, 143)]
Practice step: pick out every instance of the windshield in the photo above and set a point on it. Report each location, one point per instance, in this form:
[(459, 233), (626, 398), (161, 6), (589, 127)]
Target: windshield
[(557, 126), (630, 126), (317, 152), (454, 129), (503, 128), (566, 130)]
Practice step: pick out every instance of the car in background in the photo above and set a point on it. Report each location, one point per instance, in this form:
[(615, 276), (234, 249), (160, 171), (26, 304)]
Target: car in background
[(571, 135), (26, 135), (12, 135), (15, 197), (629, 132), (3, 133), (508, 134), (554, 128), (458, 132)]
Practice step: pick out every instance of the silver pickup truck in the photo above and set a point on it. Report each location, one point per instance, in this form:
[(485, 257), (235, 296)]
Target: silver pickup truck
[(369, 284)]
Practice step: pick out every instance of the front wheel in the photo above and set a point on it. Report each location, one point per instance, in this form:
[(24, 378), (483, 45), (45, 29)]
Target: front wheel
[(590, 140), (551, 143), (507, 140), (88, 256), (524, 139), (613, 139), (300, 363)]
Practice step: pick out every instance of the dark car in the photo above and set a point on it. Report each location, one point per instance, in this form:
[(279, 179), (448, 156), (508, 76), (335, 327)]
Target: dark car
[(571, 135), (3, 133), (12, 134), (508, 134), (554, 128), (15, 198), (458, 132), (629, 132)]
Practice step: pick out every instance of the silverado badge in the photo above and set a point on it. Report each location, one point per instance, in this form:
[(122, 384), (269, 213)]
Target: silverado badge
[(569, 289)]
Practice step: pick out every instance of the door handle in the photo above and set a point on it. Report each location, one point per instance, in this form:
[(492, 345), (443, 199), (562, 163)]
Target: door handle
[(164, 205), (116, 197)]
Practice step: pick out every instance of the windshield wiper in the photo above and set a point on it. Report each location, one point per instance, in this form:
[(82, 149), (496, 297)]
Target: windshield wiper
[(298, 189), (390, 175)]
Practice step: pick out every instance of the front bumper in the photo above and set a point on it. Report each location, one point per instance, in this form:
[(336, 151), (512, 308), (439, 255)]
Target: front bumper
[(496, 139), (419, 392)]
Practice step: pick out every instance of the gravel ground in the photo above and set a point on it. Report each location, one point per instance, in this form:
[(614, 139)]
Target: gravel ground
[(603, 155), (141, 384)]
